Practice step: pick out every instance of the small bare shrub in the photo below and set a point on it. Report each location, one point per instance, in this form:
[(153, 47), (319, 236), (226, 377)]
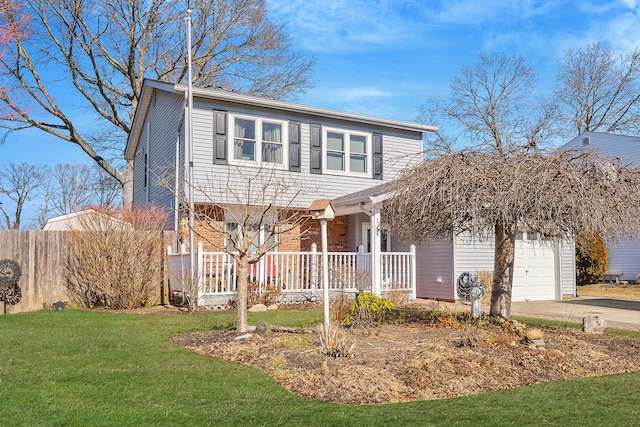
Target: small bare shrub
[(333, 343), (190, 285), (339, 307), (115, 257)]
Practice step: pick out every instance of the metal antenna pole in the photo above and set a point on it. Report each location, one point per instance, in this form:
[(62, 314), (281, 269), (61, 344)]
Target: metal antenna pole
[(192, 245)]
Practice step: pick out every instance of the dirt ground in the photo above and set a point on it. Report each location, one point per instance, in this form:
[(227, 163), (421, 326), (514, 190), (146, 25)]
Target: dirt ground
[(428, 358)]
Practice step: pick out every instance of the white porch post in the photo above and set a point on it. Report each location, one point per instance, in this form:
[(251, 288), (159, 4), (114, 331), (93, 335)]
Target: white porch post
[(376, 253)]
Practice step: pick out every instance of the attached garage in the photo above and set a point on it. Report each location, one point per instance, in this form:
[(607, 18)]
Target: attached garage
[(534, 272), (544, 270)]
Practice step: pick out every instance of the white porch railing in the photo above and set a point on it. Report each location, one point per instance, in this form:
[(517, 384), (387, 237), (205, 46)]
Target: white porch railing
[(297, 274)]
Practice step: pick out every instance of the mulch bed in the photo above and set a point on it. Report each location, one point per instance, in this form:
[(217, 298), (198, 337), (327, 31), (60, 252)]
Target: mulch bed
[(421, 360)]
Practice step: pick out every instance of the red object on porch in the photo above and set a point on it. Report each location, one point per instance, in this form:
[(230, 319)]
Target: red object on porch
[(269, 265)]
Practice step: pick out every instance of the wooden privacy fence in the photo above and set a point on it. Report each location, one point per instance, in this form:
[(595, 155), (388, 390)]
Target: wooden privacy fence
[(42, 256)]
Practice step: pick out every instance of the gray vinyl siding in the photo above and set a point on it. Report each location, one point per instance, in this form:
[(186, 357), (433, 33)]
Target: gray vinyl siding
[(139, 190), (163, 119), (473, 255), (568, 267), (434, 270), (624, 259), (624, 147), (400, 149)]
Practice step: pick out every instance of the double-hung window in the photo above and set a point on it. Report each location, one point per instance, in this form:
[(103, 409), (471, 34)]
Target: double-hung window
[(259, 140), (264, 236), (244, 143), (347, 152)]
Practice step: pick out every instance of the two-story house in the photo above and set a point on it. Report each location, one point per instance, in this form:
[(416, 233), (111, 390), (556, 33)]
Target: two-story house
[(319, 154)]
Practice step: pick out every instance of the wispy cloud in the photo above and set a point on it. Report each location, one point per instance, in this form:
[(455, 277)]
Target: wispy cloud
[(349, 25)]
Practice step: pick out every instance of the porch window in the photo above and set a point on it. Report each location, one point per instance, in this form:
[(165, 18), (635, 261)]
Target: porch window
[(347, 152), (259, 237)]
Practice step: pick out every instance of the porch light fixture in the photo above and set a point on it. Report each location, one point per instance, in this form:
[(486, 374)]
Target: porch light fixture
[(324, 210)]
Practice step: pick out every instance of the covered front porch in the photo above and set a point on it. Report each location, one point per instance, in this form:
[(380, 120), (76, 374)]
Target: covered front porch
[(296, 276), (359, 259)]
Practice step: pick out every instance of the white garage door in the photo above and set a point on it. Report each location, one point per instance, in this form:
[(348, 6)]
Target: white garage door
[(534, 276)]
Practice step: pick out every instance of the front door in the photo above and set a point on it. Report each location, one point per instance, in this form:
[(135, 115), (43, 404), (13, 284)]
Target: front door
[(366, 238)]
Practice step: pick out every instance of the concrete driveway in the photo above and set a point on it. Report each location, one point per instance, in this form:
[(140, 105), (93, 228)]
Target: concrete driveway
[(620, 314)]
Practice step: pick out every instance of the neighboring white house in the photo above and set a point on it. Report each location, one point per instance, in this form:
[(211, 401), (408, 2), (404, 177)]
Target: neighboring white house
[(624, 255), (78, 220), (339, 156)]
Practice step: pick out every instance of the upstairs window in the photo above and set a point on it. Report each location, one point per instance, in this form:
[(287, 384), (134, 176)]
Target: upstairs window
[(244, 143), (347, 152), (258, 140), (272, 143)]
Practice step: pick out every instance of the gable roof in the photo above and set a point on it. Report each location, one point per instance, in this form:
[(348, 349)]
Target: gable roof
[(77, 220), (149, 86), (624, 147)]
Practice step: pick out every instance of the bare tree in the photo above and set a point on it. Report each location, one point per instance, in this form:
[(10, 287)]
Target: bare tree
[(249, 214), (70, 188), (494, 105), (599, 90), (13, 29), (558, 195), (19, 184), (106, 49), (62, 193)]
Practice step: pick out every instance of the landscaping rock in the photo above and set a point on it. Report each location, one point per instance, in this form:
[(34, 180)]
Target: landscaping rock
[(258, 307), (534, 338), (263, 328), (272, 307), (535, 334), (593, 325), (246, 336)]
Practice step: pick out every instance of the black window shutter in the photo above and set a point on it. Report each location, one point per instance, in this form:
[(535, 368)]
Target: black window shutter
[(220, 137), (316, 148), (294, 147), (377, 156)]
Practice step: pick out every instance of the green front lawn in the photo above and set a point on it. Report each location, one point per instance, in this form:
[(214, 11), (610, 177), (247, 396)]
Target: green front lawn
[(83, 368)]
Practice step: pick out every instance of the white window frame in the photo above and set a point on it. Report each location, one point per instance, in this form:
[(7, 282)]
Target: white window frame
[(284, 126), (262, 235), (347, 152)]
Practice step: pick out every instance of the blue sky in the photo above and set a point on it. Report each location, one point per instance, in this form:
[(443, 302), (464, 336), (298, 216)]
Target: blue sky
[(386, 57)]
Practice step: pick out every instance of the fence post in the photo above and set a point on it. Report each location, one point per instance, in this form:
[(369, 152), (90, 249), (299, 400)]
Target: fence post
[(314, 269), (412, 249)]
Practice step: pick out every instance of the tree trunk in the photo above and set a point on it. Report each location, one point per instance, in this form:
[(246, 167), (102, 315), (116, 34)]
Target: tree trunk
[(241, 294), (505, 236), (126, 180)]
